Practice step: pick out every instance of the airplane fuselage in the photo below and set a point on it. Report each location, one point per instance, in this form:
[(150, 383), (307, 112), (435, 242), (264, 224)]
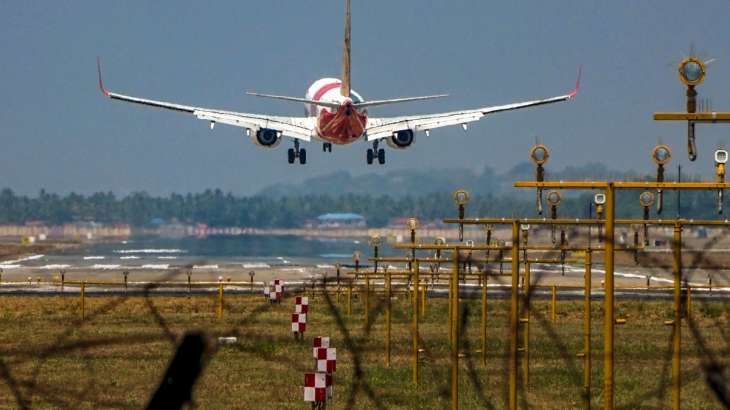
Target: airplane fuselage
[(342, 126)]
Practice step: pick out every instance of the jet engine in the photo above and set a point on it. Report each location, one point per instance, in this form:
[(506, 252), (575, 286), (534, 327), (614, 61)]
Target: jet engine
[(266, 137), (401, 139)]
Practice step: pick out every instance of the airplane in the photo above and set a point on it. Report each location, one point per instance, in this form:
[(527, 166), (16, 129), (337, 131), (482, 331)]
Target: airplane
[(336, 114)]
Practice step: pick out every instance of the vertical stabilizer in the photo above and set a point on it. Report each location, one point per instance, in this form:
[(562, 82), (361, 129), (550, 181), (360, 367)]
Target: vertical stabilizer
[(345, 87)]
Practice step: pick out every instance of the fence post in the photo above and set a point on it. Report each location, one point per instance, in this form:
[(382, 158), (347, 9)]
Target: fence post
[(677, 331), (514, 315), (526, 331), (367, 298), (454, 303), (83, 300), (484, 319), (220, 300), (388, 307), (416, 276), (587, 330), (609, 318), (424, 290), (553, 304), (349, 299)]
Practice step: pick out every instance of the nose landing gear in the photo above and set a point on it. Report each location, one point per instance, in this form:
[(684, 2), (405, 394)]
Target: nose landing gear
[(297, 152), (327, 147)]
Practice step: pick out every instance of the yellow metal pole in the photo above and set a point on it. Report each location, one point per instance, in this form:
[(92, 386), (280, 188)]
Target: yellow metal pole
[(553, 304), (415, 322), (514, 315), (526, 333), (484, 321), (388, 290), (587, 330), (451, 293), (455, 332), (220, 300), (83, 300), (367, 297), (349, 299), (677, 333), (423, 300), (609, 318)]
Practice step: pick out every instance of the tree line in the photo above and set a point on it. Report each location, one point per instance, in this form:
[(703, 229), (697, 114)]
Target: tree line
[(216, 208)]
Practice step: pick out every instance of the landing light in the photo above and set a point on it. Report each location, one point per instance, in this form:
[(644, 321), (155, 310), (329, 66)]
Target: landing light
[(721, 156), (599, 199), (646, 199), (661, 154), (539, 154), (553, 198)]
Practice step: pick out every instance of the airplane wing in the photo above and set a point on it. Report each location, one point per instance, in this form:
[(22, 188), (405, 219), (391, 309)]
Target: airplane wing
[(301, 128), (378, 128)]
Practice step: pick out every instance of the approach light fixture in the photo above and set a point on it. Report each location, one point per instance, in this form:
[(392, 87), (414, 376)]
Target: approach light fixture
[(721, 157), (461, 197), (553, 199), (691, 71), (647, 200), (539, 155), (599, 200), (661, 154)]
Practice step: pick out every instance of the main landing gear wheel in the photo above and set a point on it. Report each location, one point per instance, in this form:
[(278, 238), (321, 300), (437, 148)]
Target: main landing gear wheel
[(374, 152), (295, 153)]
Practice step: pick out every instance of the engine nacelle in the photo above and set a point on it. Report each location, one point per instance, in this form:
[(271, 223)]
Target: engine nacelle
[(401, 139), (265, 137)]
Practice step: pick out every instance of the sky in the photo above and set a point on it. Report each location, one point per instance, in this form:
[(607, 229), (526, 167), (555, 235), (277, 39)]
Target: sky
[(58, 133)]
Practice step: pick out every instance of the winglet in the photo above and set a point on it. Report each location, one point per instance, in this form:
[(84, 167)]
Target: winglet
[(577, 83), (101, 82)]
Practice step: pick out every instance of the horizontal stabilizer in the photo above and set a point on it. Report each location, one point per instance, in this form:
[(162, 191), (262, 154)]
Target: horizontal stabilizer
[(398, 100), (297, 99)]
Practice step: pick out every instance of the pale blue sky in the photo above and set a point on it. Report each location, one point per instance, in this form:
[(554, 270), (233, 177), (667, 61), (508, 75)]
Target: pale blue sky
[(58, 133)]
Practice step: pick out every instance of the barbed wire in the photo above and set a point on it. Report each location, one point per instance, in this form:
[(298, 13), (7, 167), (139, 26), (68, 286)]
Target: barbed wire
[(26, 393)]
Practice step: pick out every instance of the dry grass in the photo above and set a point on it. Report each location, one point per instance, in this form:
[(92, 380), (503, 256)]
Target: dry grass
[(117, 356)]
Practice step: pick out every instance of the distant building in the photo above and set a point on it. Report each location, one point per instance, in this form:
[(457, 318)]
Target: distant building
[(341, 220)]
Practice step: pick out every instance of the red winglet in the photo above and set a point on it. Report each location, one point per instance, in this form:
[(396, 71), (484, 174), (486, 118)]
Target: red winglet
[(577, 83), (101, 83)]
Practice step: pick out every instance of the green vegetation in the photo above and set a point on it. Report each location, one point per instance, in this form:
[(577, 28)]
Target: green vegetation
[(116, 357), (216, 208)]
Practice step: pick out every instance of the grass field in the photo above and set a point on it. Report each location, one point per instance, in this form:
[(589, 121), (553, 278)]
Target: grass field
[(116, 357)]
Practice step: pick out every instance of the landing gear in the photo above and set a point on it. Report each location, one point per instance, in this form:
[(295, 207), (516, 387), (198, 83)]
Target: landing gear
[(297, 152), (374, 152), (327, 147)]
